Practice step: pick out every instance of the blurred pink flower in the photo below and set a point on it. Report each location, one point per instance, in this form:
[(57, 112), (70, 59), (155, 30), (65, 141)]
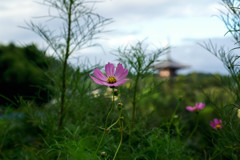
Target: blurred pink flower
[(197, 107), (216, 123), (113, 78)]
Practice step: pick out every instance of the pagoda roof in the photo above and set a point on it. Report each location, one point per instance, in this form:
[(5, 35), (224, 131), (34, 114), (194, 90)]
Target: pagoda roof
[(169, 63)]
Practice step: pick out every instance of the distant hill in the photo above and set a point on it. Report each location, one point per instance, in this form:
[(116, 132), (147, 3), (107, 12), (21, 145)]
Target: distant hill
[(23, 74)]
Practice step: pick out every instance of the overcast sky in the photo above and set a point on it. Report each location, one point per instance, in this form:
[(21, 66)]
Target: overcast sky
[(180, 23)]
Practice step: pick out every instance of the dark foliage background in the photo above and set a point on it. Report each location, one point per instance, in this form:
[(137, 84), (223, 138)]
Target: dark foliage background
[(52, 110), (23, 74), (29, 127)]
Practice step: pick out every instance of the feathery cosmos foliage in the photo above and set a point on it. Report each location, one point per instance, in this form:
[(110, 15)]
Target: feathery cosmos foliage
[(163, 128), (80, 26)]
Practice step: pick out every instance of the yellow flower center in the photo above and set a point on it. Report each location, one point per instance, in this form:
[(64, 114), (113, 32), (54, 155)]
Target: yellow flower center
[(111, 80), (218, 126)]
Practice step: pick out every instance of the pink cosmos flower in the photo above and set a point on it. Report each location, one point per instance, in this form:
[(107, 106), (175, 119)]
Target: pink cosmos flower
[(216, 123), (197, 107), (113, 78)]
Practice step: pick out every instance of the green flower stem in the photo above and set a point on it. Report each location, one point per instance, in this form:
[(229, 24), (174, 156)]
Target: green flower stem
[(119, 117), (134, 104), (65, 63), (121, 129), (105, 126), (172, 116), (120, 143), (113, 124), (195, 128)]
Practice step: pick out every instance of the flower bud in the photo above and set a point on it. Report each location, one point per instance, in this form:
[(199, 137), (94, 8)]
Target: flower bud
[(103, 154), (107, 130), (115, 92), (119, 105), (175, 116)]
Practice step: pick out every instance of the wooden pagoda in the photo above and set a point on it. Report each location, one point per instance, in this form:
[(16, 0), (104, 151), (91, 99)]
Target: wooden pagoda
[(168, 68)]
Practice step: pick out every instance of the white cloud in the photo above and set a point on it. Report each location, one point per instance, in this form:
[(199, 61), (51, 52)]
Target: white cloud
[(158, 8), (157, 19), (198, 58), (179, 22)]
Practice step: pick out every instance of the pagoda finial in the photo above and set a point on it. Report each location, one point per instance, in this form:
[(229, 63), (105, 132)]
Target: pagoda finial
[(168, 56), (169, 51)]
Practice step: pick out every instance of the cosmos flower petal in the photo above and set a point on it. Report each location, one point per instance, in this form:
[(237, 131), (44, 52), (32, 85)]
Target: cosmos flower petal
[(118, 83), (216, 123), (107, 84), (197, 107), (119, 70), (115, 84), (191, 109), (212, 124), (97, 80), (109, 81), (98, 74), (122, 75), (201, 105), (109, 69)]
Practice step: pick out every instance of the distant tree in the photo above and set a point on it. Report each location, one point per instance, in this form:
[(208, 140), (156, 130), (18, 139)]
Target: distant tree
[(22, 74)]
